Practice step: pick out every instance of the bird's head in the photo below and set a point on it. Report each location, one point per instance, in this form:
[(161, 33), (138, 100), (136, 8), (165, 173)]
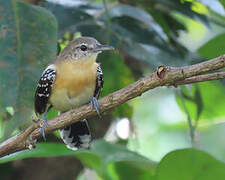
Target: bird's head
[(84, 48)]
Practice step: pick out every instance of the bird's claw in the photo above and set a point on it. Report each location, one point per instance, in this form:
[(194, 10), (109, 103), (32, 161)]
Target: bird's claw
[(41, 122), (45, 121), (94, 104), (42, 131), (31, 143)]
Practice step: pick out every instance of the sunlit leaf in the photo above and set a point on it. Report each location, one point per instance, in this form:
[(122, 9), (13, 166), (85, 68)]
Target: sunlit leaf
[(214, 47), (182, 7)]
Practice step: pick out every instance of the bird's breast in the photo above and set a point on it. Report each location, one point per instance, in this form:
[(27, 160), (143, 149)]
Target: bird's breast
[(74, 85)]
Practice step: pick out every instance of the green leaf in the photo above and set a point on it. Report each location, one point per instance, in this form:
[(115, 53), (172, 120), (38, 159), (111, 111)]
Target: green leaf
[(136, 31), (117, 162), (214, 47), (69, 17), (154, 56), (182, 7), (122, 10), (116, 76), (189, 164), (223, 3), (206, 100), (41, 150), (134, 19), (108, 160), (192, 99), (124, 26), (28, 42), (131, 170)]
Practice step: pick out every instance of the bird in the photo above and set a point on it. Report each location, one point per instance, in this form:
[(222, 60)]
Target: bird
[(72, 79)]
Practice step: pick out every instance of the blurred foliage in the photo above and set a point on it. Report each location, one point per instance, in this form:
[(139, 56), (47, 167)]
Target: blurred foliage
[(28, 42), (114, 162), (146, 34), (105, 158), (190, 164), (214, 47), (222, 2), (116, 76), (200, 105)]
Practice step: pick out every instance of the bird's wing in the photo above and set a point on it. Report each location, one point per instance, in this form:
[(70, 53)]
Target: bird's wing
[(43, 90), (99, 82)]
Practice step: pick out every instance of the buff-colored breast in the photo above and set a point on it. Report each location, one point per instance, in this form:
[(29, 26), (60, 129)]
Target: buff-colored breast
[(74, 84)]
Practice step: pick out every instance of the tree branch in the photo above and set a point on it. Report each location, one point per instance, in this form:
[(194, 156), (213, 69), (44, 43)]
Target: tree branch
[(201, 78), (165, 76)]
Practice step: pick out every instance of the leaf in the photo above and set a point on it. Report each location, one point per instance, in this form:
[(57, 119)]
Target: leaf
[(214, 47), (136, 14), (189, 164), (164, 11), (117, 161), (193, 101), (116, 76), (200, 100), (123, 26), (154, 56), (131, 170), (182, 7), (41, 150), (134, 25), (223, 3), (28, 42), (69, 17), (107, 159), (136, 31), (130, 11)]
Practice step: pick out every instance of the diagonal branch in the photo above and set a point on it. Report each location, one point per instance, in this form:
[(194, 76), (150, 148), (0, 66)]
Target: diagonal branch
[(165, 76)]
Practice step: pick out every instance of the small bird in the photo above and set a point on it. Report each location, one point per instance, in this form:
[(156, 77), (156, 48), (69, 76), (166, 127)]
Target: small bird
[(72, 79)]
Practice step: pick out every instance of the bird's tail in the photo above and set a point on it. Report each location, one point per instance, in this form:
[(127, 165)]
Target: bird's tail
[(76, 135)]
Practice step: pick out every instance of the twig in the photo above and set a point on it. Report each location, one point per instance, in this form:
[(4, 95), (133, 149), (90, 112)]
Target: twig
[(201, 78), (163, 77)]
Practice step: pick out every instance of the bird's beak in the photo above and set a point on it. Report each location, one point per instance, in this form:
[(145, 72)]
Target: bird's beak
[(101, 47)]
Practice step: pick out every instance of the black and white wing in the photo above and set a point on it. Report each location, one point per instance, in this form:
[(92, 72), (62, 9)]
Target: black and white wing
[(99, 82), (43, 90)]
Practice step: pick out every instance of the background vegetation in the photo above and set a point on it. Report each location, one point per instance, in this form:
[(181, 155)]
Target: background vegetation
[(167, 133)]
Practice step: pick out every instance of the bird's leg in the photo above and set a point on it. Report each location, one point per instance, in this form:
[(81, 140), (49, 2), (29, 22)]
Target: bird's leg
[(45, 123), (94, 104), (44, 118)]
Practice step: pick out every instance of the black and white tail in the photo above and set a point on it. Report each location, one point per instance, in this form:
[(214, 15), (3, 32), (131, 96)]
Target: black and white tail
[(76, 135)]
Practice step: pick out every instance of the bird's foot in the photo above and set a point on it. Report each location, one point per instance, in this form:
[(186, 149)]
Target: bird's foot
[(94, 104), (42, 122), (30, 142)]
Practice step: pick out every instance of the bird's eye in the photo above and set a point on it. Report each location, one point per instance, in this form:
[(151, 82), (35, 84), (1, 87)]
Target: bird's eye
[(83, 48)]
